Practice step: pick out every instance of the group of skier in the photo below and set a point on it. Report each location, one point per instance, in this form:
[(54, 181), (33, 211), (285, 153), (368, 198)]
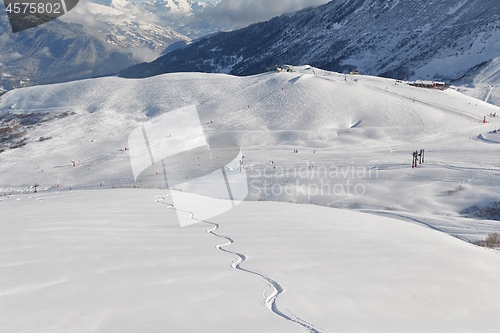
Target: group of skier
[(418, 158)]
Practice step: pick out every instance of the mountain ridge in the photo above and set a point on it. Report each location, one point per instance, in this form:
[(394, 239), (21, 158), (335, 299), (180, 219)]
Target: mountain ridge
[(377, 38), (92, 40)]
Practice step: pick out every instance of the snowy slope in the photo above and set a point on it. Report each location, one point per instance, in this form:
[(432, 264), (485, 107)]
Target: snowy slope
[(483, 82), (86, 257), (116, 261), (358, 136)]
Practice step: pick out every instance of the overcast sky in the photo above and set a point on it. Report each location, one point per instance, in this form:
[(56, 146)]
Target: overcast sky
[(244, 12)]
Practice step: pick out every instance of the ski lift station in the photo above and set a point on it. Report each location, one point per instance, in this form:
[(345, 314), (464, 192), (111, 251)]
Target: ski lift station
[(429, 84), (287, 68)]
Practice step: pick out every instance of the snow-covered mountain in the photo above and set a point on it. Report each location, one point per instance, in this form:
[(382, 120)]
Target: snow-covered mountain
[(91, 40), (175, 7), (184, 16), (372, 123), (126, 25), (172, 6), (483, 82), (440, 39)]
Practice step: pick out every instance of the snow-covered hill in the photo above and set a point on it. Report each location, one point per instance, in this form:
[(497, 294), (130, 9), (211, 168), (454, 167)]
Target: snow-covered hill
[(357, 131), (117, 261), (441, 39), (80, 255)]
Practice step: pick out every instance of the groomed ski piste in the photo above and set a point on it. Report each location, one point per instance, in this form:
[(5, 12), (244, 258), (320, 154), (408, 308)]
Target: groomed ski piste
[(341, 236)]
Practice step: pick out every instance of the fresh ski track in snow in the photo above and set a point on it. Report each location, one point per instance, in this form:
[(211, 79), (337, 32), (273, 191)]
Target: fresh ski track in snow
[(274, 285)]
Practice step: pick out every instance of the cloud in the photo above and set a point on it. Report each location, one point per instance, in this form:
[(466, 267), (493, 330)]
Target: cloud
[(81, 14), (95, 15), (142, 54), (10, 56), (241, 13)]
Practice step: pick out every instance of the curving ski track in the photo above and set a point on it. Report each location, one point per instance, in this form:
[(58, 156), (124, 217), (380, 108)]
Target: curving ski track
[(415, 220), (277, 288)]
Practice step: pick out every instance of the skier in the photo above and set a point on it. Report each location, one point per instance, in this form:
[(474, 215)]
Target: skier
[(414, 160)]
